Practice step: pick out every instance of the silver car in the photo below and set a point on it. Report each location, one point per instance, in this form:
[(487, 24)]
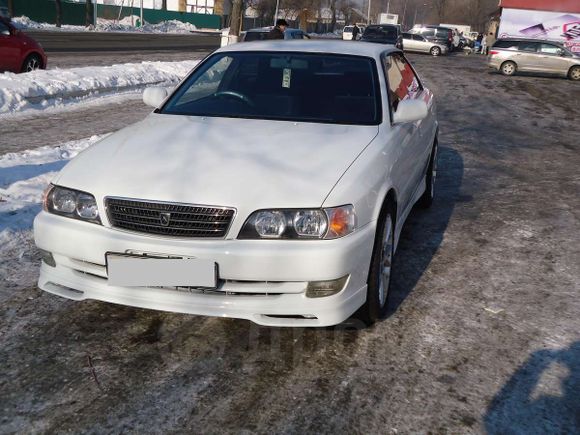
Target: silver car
[(418, 43), (510, 56)]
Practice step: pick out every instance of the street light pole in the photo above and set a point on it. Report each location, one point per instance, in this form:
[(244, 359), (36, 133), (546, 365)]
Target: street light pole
[(141, 13), (388, 6)]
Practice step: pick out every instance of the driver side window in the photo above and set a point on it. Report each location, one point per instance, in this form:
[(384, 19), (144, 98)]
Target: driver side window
[(208, 84)]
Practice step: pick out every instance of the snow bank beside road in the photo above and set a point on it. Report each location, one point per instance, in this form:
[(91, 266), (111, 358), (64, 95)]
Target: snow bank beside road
[(23, 178), (49, 88), (171, 26)]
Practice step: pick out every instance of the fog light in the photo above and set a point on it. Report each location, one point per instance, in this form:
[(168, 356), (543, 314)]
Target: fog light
[(47, 258), (320, 289)]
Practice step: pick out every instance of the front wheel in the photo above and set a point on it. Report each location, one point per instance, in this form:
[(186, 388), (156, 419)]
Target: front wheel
[(435, 51), (379, 280), (32, 62), (508, 68), (574, 73)]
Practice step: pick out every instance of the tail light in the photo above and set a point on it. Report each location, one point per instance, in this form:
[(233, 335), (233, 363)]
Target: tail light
[(492, 52)]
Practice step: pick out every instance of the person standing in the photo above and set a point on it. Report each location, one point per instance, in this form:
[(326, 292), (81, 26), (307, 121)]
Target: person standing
[(355, 32), (278, 31), (484, 45)]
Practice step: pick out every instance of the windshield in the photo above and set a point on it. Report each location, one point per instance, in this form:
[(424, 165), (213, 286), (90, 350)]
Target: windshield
[(378, 32), (283, 86)]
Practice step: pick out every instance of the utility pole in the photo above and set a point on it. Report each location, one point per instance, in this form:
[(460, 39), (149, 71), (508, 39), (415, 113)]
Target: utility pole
[(95, 13), (404, 13), (388, 6), (277, 10), (141, 16), (369, 13)]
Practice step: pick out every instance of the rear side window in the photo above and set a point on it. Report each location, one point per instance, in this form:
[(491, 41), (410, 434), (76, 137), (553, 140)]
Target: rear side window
[(531, 47), (549, 49), (506, 45), (403, 83), (428, 33)]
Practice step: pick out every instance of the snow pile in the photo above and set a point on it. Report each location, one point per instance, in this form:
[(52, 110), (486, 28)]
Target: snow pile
[(127, 24), (23, 178), (24, 23), (48, 88)]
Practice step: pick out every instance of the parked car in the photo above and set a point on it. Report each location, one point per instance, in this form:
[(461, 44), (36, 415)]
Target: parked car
[(419, 44), (18, 51), (261, 34), (271, 185), (384, 34), (347, 33), (436, 34), (510, 56)]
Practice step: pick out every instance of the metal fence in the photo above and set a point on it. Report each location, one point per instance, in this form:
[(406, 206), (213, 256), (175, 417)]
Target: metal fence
[(74, 13)]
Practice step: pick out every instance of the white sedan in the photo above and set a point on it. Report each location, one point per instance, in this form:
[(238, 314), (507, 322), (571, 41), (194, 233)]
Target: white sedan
[(272, 185)]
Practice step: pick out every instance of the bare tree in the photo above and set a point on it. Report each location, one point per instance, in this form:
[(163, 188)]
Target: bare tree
[(58, 13), (440, 7), (89, 12)]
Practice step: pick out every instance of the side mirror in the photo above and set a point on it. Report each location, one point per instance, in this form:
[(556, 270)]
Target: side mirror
[(154, 96), (410, 111), (561, 52)]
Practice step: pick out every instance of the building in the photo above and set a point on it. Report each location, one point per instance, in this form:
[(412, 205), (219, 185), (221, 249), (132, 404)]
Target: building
[(557, 20)]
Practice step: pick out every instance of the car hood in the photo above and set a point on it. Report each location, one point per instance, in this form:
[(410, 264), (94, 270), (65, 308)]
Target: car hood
[(241, 163)]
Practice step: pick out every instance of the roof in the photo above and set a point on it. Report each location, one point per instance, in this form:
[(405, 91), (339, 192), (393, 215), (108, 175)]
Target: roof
[(543, 5), (353, 48)]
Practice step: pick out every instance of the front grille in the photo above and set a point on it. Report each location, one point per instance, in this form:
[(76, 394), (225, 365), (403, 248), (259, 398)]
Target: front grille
[(169, 219)]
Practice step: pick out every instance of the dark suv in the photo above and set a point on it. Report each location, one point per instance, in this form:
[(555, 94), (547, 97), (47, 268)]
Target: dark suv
[(384, 34), (436, 34)]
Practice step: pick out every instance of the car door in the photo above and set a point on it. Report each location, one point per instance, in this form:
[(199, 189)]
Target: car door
[(408, 42), (551, 59), (9, 49), (409, 137), (421, 44), (527, 56)]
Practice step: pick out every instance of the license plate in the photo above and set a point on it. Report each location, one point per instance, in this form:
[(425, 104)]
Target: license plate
[(127, 270)]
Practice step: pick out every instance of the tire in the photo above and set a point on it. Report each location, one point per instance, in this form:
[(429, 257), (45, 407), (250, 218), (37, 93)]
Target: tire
[(31, 63), (426, 199), (435, 51), (380, 272), (574, 73), (508, 68)]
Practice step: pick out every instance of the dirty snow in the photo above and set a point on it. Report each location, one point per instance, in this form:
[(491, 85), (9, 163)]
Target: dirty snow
[(48, 88), (126, 24)]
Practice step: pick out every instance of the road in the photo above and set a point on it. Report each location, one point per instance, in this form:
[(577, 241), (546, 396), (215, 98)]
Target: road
[(482, 335), (122, 41)]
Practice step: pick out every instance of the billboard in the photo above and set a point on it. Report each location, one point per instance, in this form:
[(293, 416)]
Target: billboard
[(558, 26)]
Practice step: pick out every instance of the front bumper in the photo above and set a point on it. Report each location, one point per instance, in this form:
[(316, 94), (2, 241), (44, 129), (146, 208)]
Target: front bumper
[(261, 280)]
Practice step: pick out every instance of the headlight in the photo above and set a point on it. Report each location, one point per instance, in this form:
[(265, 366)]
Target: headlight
[(71, 203), (328, 223)]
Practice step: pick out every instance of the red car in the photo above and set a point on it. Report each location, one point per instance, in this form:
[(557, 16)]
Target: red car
[(19, 52)]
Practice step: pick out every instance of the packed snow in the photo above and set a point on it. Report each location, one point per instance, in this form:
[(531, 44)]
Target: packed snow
[(53, 88), (127, 24), (23, 178)]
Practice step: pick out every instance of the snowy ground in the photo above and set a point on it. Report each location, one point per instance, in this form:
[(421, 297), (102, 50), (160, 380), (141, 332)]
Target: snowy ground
[(482, 334), (42, 89), (23, 178)]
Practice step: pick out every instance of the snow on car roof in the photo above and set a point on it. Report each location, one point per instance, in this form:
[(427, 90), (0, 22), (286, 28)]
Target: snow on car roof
[(354, 48)]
